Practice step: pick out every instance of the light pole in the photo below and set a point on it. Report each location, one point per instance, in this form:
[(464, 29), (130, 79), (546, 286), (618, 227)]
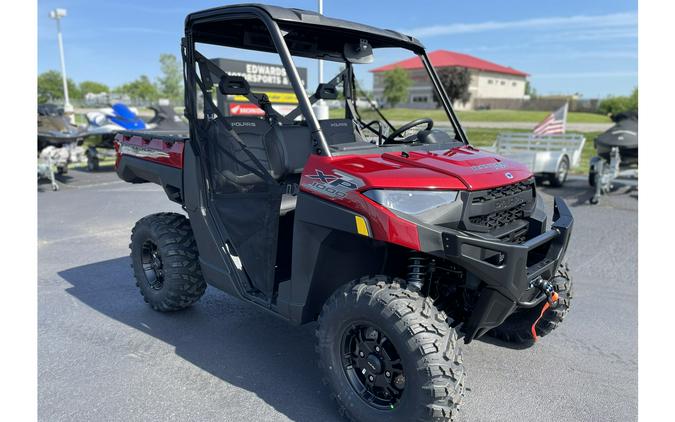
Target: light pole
[(320, 107), (320, 61), (57, 14)]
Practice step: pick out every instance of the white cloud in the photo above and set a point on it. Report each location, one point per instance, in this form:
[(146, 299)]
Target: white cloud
[(580, 75), (566, 22), (592, 34), (630, 53)]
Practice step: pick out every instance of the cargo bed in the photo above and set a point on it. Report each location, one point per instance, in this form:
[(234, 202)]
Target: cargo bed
[(152, 156)]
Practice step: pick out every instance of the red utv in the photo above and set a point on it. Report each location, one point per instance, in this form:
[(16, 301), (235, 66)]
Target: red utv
[(399, 239)]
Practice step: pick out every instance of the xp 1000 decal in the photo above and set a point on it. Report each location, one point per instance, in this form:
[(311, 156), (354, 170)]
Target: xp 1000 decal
[(335, 185)]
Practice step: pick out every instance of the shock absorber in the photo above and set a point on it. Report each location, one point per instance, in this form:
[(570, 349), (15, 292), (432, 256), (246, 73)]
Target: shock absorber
[(417, 272)]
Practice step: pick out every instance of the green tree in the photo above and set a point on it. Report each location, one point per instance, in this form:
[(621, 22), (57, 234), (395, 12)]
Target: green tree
[(396, 84), (633, 100), (530, 90), (140, 89), (93, 87), (455, 81), (50, 87), (171, 84), (619, 104)]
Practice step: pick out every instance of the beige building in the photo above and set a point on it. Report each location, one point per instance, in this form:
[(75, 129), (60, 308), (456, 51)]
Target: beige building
[(488, 80)]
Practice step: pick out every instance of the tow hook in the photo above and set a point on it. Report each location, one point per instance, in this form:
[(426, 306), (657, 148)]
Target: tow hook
[(547, 288)]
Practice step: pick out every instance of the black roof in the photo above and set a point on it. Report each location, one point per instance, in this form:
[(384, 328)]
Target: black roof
[(307, 24)]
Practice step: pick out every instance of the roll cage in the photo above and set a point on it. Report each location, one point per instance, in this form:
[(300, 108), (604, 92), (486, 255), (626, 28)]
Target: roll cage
[(295, 32)]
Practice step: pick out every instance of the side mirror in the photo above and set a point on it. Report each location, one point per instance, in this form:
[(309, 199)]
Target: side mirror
[(361, 53), (233, 85), (326, 92)]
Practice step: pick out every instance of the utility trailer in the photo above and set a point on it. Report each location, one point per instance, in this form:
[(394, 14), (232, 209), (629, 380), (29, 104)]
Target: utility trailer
[(549, 157)]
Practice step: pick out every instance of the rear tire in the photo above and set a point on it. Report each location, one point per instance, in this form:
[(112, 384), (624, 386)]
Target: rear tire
[(517, 328), (165, 260), (430, 386)]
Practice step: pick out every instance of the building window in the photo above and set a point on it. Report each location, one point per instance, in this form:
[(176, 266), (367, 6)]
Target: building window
[(490, 81), (513, 84), (503, 82), (420, 99)]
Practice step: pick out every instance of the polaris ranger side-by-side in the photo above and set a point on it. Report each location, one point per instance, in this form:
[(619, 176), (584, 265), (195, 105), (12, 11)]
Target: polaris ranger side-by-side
[(397, 240)]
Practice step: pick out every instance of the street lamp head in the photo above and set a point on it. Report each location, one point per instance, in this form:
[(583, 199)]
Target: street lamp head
[(57, 13)]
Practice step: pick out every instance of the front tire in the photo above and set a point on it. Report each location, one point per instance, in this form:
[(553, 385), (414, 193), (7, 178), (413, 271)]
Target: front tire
[(411, 369), (165, 260), (517, 328)]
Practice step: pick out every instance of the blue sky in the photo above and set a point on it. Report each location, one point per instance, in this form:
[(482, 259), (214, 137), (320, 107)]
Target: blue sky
[(568, 46)]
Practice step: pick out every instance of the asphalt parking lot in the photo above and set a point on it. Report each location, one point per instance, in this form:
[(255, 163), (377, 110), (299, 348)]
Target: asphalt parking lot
[(105, 355)]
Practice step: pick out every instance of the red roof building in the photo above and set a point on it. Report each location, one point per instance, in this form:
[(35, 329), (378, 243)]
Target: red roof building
[(488, 79), (445, 58)]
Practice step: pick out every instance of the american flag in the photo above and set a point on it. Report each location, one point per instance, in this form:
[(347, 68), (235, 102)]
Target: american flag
[(553, 123)]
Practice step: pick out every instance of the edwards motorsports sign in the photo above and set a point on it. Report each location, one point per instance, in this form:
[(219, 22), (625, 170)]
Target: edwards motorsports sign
[(261, 75)]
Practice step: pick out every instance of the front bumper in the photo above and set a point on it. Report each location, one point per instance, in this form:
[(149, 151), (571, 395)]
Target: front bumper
[(506, 270)]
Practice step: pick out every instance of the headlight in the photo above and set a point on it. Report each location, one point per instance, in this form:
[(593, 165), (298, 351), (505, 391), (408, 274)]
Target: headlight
[(411, 201)]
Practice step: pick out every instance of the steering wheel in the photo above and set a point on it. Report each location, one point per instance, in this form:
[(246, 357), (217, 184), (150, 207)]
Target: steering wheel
[(408, 126)]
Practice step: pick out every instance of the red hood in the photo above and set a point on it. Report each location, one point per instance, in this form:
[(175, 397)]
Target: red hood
[(462, 168)]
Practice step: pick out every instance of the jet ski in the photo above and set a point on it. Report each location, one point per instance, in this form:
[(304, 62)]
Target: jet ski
[(54, 128), (617, 150), (624, 136), (107, 122), (166, 120)]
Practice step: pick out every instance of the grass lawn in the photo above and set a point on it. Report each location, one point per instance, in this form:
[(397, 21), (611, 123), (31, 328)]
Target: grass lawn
[(486, 137), (407, 114), (104, 162)]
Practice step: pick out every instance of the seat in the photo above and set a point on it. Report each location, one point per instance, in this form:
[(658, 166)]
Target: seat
[(252, 132), (282, 151), (290, 147), (339, 131)]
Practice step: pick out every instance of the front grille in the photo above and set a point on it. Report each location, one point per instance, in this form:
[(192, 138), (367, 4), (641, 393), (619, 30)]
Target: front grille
[(504, 191), (500, 218), (492, 209)]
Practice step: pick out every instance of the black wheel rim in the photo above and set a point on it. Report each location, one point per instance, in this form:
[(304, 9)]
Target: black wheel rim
[(373, 366), (152, 265)]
